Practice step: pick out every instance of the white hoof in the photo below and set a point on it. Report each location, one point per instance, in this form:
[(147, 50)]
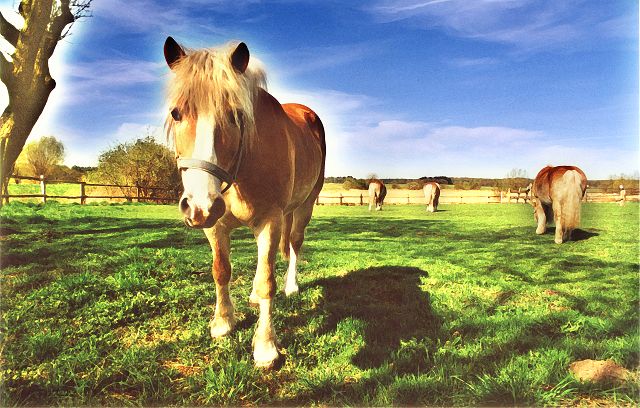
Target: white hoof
[(220, 327), (265, 353), (292, 289)]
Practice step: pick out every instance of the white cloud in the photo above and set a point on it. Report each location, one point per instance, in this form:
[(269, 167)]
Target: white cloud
[(471, 62), (103, 81), (309, 59), (526, 24), (139, 15)]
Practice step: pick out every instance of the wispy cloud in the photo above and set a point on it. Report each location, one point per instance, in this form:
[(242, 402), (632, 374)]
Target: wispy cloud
[(471, 62), (103, 81), (525, 24), (310, 59), (140, 15)]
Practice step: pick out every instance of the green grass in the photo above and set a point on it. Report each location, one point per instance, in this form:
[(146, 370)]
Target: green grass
[(33, 187), (110, 304)]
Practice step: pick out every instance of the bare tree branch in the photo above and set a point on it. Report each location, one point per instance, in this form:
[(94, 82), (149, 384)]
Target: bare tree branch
[(6, 70), (80, 9), (8, 31)]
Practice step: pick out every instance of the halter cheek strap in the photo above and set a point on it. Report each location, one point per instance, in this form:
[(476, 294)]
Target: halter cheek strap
[(208, 167), (215, 170)]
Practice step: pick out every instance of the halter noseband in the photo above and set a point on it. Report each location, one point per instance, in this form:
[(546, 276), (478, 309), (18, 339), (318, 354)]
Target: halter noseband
[(213, 169)]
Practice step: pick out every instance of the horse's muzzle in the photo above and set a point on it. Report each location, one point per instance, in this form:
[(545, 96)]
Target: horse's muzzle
[(201, 216)]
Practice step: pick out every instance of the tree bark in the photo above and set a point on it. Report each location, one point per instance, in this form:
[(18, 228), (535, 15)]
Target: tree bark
[(27, 77)]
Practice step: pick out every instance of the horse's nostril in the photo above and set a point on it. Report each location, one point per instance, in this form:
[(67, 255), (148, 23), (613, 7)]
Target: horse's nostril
[(184, 205)]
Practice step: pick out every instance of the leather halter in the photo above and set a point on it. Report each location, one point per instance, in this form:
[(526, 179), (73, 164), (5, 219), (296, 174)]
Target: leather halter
[(215, 170)]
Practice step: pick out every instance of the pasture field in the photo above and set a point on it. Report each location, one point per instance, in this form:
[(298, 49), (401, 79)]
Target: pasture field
[(110, 304)]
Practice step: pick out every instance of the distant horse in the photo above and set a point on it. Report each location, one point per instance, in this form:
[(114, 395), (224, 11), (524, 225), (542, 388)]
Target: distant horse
[(245, 159), (558, 193), (432, 195), (377, 193)]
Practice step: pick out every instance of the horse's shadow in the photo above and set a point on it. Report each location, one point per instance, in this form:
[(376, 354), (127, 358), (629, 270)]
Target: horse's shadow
[(576, 235), (388, 300)]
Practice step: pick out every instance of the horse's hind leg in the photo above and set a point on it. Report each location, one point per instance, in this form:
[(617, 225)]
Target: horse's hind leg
[(301, 218), (284, 238), (541, 217), (223, 320), (560, 222)]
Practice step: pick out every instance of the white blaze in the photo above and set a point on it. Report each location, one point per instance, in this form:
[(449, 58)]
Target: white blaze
[(199, 185)]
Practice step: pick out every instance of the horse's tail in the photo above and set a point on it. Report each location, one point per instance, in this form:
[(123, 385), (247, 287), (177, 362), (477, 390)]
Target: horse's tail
[(572, 199)]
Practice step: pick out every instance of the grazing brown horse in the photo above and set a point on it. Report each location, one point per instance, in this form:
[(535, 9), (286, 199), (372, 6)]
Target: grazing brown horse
[(557, 192), (245, 160), (432, 194), (377, 193)]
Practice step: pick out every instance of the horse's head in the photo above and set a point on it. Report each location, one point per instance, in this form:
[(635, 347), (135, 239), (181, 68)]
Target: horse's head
[(206, 121)]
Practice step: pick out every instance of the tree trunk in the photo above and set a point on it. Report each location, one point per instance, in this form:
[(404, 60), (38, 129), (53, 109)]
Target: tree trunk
[(27, 77)]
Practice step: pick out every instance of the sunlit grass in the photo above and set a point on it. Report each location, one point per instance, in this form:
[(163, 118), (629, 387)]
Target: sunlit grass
[(109, 304)]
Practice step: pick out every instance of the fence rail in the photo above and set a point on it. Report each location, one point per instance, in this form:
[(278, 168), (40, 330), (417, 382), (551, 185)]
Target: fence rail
[(394, 196), (456, 197), (83, 196)]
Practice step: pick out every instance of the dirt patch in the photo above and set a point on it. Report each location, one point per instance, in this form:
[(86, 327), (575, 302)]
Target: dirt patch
[(598, 371)]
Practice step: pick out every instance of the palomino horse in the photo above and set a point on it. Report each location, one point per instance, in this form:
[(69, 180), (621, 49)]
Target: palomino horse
[(557, 192), (432, 194), (245, 159), (377, 193)]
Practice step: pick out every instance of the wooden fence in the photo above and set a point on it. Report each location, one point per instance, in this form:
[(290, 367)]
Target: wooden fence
[(344, 197), (449, 196), (128, 193)]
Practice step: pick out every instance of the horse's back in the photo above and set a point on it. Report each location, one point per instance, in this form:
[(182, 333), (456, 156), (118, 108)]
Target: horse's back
[(431, 190), (376, 188), (305, 118), (551, 181)]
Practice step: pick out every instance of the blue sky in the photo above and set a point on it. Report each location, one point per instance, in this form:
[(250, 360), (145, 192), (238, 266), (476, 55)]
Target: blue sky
[(405, 88)]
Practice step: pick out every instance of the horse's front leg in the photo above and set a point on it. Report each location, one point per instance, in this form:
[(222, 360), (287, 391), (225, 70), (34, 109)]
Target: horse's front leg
[(223, 319), (265, 351)]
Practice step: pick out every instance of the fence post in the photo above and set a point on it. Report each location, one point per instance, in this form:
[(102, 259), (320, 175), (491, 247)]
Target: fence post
[(361, 201), (83, 196), (43, 189), (318, 200), (138, 193), (3, 143), (340, 198), (408, 199)]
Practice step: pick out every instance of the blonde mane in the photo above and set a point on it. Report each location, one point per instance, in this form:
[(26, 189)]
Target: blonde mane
[(205, 83)]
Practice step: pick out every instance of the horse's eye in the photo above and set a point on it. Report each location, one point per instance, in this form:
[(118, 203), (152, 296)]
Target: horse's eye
[(175, 114)]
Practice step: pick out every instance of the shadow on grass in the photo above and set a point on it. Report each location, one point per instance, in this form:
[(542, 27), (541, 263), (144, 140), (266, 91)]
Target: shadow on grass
[(388, 300), (577, 234)]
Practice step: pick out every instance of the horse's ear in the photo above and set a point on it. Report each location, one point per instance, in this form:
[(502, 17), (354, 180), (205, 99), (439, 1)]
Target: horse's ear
[(173, 52), (240, 58)]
